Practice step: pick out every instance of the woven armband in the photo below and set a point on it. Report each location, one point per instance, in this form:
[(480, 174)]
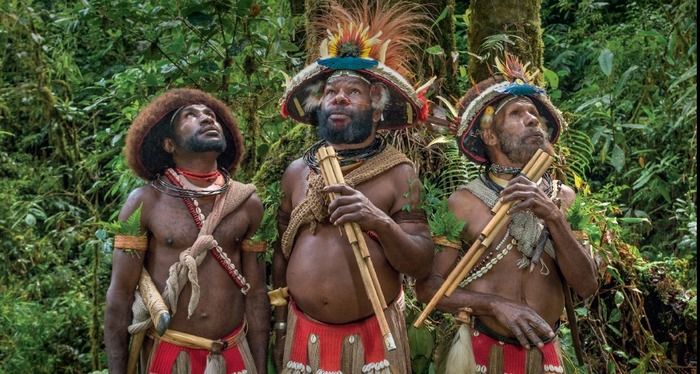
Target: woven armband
[(446, 243), (278, 297), (136, 243), (251, 246)]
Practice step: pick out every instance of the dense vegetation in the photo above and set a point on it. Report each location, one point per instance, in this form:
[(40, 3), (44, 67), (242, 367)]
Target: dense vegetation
[(75, 73)]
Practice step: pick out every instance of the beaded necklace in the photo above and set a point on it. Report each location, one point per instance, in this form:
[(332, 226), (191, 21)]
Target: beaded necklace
[(168, 187), (489, 260), (345, 156), (221, 257)]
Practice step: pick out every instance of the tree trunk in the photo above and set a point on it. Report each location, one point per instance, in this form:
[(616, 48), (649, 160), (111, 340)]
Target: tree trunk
[(298, 8), (444, 66), (515, 18)]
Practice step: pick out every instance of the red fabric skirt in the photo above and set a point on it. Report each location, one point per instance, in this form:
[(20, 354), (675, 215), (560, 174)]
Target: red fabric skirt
[(514, 356), (163, 359), (331, 338)]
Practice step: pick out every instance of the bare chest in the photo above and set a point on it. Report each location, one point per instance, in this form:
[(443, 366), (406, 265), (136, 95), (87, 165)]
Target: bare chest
[(172, 225)]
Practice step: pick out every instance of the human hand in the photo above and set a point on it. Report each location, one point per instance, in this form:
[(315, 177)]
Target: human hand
[(529, 197), (351, 205), (523, 322)]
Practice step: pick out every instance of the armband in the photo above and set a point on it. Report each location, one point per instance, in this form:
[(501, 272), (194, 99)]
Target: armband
[(136, 243), (251, 246), (446, 243)]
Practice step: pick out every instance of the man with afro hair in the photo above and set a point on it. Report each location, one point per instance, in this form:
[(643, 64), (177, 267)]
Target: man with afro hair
[(192, 286)]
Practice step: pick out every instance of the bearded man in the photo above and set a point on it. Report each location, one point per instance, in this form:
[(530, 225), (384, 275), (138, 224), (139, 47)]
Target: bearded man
[(515, 293), (185, 143), (328, 325)]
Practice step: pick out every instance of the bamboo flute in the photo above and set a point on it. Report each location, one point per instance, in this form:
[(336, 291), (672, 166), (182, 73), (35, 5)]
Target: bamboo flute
[(330, 170), (534, 171)]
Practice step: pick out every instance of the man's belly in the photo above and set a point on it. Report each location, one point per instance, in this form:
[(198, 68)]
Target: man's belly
[(541, 292), (221, 304), (324, 280)]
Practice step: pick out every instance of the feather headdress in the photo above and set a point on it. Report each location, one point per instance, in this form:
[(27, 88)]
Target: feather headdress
[(373, 41), (481, 103)]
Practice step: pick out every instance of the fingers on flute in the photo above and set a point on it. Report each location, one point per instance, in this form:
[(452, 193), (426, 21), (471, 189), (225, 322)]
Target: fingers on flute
[(341, 213), (342, 189)]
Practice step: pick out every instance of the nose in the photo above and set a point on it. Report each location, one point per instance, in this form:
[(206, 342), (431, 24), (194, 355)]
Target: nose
[(341, 98), (206, 118), (531, 120)]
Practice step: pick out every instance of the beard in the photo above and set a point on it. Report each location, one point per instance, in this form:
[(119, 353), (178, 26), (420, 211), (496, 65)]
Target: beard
[(355, 132), (194, 144), (520, 149)]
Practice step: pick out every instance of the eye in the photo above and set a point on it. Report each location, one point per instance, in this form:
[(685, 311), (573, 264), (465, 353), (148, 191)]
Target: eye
[(330, 92), (354, 91)]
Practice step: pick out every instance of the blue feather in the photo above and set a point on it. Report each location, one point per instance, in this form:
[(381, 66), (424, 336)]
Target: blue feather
[(521, 89), (347, 63)]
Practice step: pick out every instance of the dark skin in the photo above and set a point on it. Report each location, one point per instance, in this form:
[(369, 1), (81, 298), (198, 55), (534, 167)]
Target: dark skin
[(321, 273), (520, 303), (171, 230)]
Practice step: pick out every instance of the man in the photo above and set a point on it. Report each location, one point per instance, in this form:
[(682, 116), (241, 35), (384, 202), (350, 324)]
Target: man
[(516, 290), (185, 143), (328, 325)]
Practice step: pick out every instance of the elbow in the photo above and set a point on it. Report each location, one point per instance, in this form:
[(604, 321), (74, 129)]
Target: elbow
[(423, 270), (424, 291), (588, 289)]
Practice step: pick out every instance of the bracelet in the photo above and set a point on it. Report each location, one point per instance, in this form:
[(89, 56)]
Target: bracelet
[(280, 326)]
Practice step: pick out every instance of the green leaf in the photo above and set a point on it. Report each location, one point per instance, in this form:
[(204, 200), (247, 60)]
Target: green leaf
[(435, 50), (582, 311), (617, 159), (619, 298), (420, 341), (605, 60), (615, 316), (29, 219), (551, 78)]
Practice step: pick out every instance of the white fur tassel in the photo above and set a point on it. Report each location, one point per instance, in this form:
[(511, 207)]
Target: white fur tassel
[(460, 359), (215, 364)]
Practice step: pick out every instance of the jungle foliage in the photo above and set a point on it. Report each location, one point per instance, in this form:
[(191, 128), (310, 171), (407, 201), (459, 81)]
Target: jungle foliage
[(75, 73)]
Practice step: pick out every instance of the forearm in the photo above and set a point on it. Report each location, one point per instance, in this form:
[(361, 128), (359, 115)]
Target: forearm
[(117, 319), (279, 280), (409, 253), (257, 315), (575, 263), (479, 303)]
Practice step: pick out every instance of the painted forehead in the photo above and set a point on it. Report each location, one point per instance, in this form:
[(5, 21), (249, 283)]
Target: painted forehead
[(347, 80), (201, 107), (510, 102)]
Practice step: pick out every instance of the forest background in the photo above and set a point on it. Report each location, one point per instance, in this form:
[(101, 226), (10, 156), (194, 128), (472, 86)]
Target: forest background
[(75, 73)]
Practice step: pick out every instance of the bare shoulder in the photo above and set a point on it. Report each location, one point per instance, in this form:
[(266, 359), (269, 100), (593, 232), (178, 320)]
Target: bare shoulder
[(403, 171), (254, 207), (295, 171), (142, 196), (464, 204), (567, 196)]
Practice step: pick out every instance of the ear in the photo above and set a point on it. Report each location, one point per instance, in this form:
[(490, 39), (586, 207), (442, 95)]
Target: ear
[(379, 96), (489, 137), (169, 145)]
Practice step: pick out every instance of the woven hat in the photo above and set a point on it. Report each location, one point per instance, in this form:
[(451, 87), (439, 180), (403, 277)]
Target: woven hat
[(511, 81), (144, 143), (371, 41)]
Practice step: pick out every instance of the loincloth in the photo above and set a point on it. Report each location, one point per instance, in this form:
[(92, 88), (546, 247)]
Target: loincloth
[(357, 347), (175, 353), (495, 354)]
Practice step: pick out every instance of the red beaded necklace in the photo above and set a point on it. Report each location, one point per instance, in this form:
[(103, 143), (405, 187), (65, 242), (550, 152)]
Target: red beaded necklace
[(204, 177), (217, 252)]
